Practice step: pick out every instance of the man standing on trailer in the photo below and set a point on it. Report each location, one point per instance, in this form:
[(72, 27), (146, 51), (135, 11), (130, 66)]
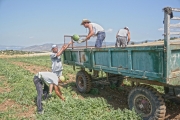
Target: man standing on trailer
[(122, 37), (94, 30)]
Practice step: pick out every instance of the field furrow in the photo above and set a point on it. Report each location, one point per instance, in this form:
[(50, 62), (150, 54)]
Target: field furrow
[(17, 93)]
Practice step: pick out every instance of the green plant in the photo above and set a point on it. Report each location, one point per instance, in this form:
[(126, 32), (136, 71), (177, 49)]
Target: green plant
[(23, 92)]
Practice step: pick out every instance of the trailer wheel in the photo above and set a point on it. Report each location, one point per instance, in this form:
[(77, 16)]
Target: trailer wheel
[(83, 81), (147, 102)]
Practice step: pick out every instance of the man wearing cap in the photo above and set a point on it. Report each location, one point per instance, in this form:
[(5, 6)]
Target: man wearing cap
[(56, 61), (45, 78), (94, 30), (122, 37)]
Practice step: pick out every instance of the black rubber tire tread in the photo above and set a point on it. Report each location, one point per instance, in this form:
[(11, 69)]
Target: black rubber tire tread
[(86, 79), (157, 102)]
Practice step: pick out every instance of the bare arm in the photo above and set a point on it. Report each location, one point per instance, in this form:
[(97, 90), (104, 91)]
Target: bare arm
[(117, 34), (91, 32), (129, 36), (64, 47), (58, 92)]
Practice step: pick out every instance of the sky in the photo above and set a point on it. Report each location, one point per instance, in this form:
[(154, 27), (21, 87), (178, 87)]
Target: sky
[(35, 22)]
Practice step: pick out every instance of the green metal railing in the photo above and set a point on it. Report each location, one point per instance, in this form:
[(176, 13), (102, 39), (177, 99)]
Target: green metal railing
[(168, 15)]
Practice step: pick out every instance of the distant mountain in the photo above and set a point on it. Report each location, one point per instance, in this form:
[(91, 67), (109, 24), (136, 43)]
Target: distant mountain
[(41, 48), (47, 47), (3, 47)]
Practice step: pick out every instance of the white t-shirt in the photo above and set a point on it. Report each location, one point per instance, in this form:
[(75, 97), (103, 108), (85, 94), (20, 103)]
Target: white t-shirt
[(56, 62), (123, 32), (96, 28), (48, 77)]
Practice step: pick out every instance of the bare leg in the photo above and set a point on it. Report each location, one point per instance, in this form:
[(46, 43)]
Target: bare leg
[(50, 88)]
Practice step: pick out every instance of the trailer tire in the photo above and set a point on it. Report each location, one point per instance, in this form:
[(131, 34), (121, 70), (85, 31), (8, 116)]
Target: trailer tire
[(148, 102), (83, 81)]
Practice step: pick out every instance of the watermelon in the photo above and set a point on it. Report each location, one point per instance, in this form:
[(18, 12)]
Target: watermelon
[(62, 78), (75, 37)]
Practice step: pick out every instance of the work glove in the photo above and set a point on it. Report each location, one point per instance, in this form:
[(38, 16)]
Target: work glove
[(80, 41)]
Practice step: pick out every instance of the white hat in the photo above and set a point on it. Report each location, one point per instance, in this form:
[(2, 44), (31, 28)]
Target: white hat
[(53, 46), (126, 28)]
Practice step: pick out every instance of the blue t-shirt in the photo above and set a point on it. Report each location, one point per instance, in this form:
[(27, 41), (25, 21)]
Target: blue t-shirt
[(56, 62)]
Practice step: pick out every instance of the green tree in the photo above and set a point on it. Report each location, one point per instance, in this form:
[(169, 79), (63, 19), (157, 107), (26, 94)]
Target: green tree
[(132, 43)]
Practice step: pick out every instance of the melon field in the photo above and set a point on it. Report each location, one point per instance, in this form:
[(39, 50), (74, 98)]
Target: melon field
[(103, 102)]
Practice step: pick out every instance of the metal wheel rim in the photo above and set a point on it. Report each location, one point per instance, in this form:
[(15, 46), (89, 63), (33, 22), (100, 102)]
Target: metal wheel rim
[(80, 82), (142, 105)]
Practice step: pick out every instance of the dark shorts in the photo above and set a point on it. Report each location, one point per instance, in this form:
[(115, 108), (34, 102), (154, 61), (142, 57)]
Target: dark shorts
[(100, 38)]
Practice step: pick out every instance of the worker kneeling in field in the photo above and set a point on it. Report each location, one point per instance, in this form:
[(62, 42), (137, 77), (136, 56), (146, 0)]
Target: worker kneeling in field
[(45, 78)]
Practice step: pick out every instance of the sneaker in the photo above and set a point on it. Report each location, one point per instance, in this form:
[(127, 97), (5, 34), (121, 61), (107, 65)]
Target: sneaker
[(41, 112)]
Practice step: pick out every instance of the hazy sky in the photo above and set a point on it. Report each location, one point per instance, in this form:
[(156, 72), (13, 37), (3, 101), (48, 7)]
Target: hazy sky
[(31, 22)]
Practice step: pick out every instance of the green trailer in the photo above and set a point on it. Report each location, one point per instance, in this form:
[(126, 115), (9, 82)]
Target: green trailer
[(156, 63)]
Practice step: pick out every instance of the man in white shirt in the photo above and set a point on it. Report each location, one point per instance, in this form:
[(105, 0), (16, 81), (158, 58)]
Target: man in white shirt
[(45, 79), (122, 37), (94, 30), (56, 62)]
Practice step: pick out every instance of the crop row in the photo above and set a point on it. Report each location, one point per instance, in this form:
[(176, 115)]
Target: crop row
[(23, 92)]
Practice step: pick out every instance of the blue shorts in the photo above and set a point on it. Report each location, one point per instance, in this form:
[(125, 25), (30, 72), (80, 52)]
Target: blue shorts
[(100, 38)]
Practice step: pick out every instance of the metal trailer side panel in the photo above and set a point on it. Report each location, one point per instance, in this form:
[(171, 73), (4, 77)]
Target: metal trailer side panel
[(132, 62), (137, 62), (171, 52)]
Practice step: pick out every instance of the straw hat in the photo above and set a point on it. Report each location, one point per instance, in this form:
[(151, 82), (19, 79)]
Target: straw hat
[(85, 21)]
